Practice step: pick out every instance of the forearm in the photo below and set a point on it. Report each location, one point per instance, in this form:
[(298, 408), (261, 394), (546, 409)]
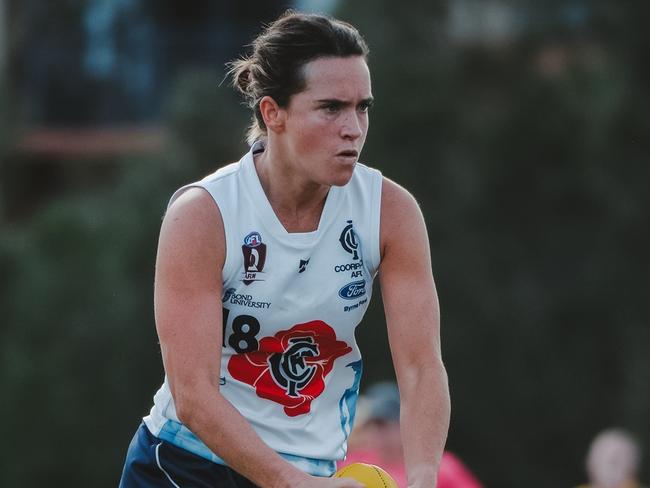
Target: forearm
[(425, 415), (229, 435)]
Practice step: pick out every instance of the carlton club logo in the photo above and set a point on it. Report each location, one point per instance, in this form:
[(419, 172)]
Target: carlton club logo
[(290, 367), (348, 240), (254, 257)]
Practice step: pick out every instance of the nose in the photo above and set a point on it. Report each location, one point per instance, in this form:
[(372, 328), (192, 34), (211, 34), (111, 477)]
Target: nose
[(352, 126)]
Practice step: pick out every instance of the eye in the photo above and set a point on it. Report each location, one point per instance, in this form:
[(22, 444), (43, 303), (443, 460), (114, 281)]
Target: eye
[(332, 108), (364, 106)]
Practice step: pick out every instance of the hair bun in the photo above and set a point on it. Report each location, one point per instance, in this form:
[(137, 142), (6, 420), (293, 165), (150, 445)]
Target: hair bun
[(240, 72)]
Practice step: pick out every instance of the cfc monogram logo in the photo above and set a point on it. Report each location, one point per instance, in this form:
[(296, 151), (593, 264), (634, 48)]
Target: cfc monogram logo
[(290, 369), (349, 240)]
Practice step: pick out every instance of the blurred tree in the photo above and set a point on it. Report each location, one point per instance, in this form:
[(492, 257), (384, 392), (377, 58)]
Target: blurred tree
[(206, 115), (80, 361)]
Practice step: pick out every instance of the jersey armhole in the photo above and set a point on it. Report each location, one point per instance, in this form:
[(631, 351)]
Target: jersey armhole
[(375, 221)]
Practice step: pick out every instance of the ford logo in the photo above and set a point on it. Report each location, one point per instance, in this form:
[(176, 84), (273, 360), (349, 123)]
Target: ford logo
[(353, 290)]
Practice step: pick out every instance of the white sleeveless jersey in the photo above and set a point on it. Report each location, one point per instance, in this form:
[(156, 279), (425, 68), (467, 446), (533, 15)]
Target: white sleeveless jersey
[(290, 363)]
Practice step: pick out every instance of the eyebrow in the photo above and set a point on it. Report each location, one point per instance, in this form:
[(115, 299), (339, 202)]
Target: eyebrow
[(335, 101)]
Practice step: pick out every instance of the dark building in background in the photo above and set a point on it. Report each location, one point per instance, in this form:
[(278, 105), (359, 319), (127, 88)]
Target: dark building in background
[(498, 22), (98, 63), (102, 63)]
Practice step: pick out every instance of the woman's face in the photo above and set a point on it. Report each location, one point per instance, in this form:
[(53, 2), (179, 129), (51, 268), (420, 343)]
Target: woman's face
[(327, 122), (611, 462)]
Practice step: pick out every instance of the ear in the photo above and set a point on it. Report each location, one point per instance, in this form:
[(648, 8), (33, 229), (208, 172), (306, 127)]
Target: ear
[(272, 114)]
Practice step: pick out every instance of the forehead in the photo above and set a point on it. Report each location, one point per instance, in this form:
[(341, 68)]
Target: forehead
[(336, 77)]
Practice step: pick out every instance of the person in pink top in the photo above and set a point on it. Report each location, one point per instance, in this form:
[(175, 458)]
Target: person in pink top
[(376, 440), (454, 474)]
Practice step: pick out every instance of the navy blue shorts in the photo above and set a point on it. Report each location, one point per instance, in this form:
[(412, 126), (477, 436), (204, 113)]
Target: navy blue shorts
[(151, 462)]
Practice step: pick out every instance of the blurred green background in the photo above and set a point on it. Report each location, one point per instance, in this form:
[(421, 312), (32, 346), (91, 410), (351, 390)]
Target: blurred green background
[(522, 127)]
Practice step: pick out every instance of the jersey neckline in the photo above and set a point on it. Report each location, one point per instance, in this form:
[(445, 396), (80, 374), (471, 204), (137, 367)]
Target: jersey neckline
[(254, 187)]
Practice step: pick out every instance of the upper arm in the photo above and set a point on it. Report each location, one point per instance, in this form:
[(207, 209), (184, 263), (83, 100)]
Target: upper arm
[(407, 285), (187, 296)]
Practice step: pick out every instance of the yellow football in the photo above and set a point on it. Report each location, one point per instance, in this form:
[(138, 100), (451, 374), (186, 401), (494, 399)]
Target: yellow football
[(370, 475)]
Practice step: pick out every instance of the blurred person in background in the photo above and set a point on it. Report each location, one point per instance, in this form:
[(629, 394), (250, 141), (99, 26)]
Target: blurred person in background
[(613, 460), (264, 270), (376, 439)]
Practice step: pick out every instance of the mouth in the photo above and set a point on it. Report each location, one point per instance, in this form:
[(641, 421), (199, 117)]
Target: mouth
[(350, 153)]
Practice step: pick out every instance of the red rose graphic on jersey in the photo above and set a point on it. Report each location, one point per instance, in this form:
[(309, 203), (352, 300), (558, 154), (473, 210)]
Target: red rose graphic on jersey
[(290, 367)]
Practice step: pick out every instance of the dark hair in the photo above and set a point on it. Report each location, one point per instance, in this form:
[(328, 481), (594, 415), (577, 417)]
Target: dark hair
[(274, 68)]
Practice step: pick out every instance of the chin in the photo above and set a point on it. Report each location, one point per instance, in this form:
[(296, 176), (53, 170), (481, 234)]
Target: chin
[(341, 177)]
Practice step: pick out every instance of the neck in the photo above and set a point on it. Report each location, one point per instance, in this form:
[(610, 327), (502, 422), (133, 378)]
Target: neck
[(297, 202)]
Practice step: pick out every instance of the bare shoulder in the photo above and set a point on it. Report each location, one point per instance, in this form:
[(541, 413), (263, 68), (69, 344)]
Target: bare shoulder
[(192, 206), (192, 230), (394, 193), (400, 215)]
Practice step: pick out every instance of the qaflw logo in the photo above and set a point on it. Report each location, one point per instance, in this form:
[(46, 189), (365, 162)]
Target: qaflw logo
[(254, 251)]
